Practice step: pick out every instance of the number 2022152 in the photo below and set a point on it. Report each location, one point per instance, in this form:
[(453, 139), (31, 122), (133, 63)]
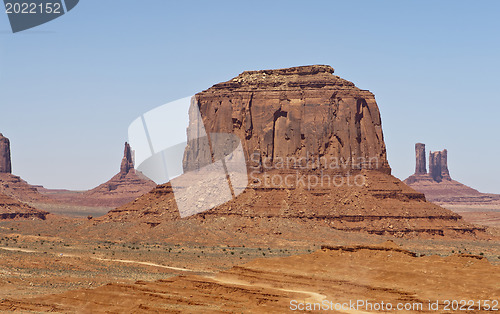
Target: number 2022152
[(470, 305), (33, 8)]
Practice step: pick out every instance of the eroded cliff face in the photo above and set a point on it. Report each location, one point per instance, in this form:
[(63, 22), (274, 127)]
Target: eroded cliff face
[(301, 112)]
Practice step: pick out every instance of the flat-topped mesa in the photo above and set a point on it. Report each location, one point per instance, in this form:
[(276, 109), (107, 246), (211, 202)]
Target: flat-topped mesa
[(127, 160), (5, 162), (303, 113), (300, 70)]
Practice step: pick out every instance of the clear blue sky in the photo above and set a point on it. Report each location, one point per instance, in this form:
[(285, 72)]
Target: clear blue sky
[(71, 87)]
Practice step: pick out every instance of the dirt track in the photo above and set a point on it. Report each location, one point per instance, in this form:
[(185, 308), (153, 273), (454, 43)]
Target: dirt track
[(374, 274)]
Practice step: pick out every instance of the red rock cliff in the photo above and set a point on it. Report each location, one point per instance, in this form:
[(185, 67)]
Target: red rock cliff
[(299, 112)]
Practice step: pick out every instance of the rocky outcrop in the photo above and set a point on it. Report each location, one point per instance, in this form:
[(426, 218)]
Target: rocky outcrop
[(420, 167), (11, 208), (19, 189), (302, 113), (5, 163)]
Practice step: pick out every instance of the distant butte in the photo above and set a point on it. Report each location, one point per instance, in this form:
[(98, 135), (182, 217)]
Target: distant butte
[(125, 186), (441, 189), (10, 184), (13, 188), (437, 185)]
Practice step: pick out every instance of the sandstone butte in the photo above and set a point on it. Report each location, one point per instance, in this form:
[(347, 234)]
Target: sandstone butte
[(11, 208), (441, 189), (437, 184), (125, 186), (297, 112)]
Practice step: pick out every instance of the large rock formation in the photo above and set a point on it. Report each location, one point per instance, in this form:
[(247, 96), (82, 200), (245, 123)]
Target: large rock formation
[(316, 119), (5, 164), (302, 112)]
